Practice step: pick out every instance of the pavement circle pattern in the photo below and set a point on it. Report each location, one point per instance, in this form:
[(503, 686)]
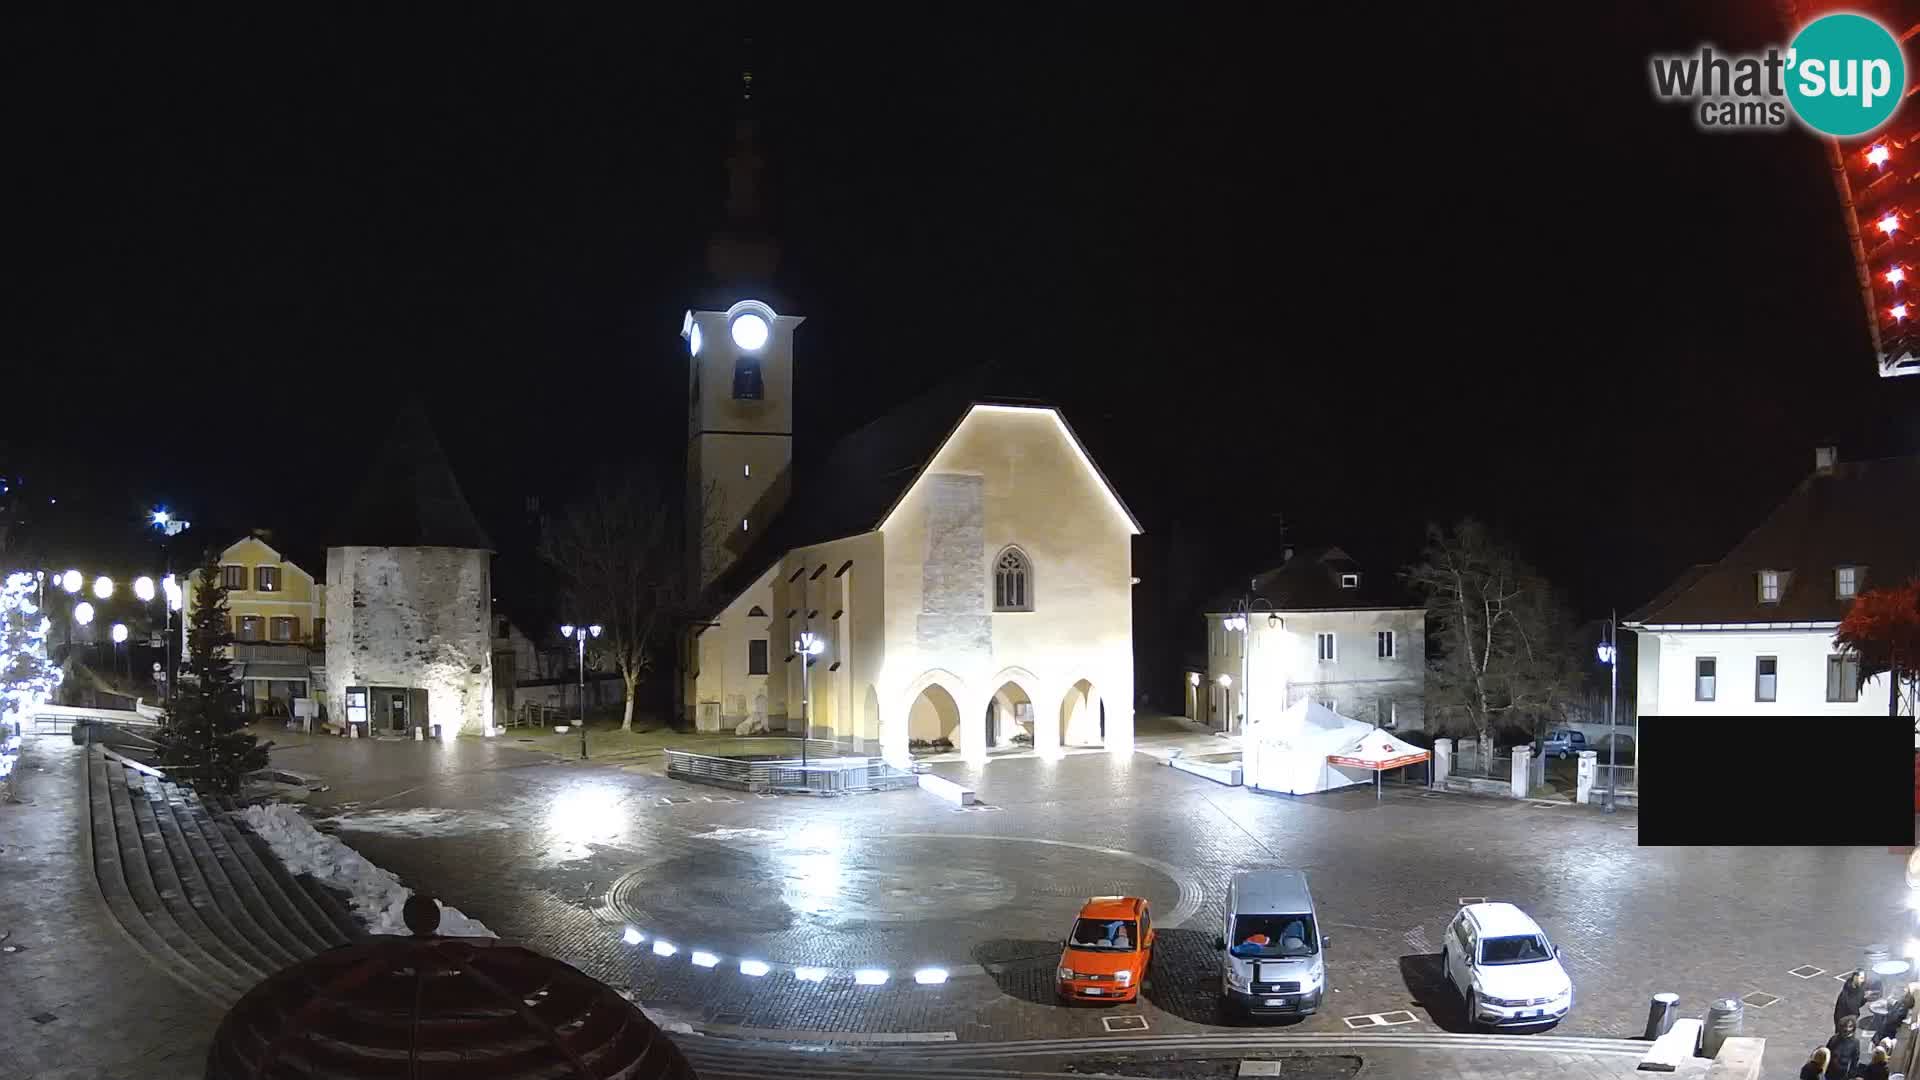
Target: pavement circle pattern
[(933, 892)]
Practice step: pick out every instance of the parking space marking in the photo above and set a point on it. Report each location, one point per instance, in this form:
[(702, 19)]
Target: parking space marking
[(1465, 900), (1374, 1020), (1807, 971), (1760, 1000), (1124, 1023)]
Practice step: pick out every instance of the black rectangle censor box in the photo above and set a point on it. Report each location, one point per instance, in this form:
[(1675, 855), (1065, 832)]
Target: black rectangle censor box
[(1764, 781)]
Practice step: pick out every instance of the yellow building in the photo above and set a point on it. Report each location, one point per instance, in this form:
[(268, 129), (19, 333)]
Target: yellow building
[(278, 610)]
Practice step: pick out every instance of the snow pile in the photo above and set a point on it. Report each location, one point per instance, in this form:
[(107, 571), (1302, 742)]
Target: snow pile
[(420, 823), (375, 895)]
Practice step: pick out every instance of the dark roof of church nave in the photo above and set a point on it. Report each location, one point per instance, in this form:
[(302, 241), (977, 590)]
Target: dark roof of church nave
[(850, 491), (411, 498)]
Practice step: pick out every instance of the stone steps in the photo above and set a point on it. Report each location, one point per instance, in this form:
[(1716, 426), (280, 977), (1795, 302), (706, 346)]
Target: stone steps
[(199, 895)]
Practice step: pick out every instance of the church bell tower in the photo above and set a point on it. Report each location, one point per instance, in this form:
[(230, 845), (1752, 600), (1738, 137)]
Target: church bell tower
[(740, 371)]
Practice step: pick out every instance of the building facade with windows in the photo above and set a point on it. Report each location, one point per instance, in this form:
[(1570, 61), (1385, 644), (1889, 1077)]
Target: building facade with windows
[(1319, 627), (278, 611), (1753, 633)]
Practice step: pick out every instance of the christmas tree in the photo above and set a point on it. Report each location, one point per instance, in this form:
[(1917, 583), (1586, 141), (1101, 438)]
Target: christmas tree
[(26, 677), (201, 740)]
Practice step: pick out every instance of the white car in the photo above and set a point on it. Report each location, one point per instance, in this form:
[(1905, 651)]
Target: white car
[(1504, 968)]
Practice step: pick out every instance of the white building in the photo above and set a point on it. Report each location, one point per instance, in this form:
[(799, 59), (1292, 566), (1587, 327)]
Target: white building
[(1753, 633), (1321, 628), (409, 601)]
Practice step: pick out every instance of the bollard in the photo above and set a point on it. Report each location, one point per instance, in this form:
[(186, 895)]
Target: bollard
[(1723, 1022), (1661, 1013)]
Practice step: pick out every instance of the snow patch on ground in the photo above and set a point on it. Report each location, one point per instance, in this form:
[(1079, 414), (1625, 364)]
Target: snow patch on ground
[(375, 895), (420, 822)]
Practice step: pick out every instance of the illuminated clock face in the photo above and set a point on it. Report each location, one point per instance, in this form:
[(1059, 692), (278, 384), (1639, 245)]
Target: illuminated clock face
[(750, 332), (693, 339)]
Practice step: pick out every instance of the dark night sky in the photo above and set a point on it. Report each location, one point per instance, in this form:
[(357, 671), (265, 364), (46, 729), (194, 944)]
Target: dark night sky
[(1472, 268)]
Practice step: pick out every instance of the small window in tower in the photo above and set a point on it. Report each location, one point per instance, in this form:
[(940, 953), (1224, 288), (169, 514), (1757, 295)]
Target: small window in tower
[(746, 470), (747, 384), (743, 524)]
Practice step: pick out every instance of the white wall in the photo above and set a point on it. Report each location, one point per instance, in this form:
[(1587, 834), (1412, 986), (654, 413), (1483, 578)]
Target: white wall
[(413, 617), (1011, 476), (1666, 674), (1285, 666)]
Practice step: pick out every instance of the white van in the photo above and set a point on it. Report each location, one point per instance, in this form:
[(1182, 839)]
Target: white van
[(1272, 946)]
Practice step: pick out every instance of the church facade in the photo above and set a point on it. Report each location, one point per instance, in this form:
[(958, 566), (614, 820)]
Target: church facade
[(956, 573)]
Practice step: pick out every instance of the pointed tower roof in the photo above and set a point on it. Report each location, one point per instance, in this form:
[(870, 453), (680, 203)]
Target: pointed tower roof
[(742, 255), (411, 498)]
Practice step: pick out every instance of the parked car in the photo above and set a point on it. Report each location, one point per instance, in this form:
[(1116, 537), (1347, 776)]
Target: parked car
[(1107, 954), (1504, 969), (279, 784), (1563, 742), (1274, 952)]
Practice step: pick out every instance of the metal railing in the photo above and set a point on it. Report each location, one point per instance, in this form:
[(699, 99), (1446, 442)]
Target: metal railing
[(814, 776), (1603, 777)]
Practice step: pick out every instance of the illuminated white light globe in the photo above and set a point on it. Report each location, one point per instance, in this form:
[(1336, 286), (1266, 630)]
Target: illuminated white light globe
[(702, 958), (693, 340), (664, 948), (1899, 311), (143, 588), (594, 629), (102, 587), (1226, 680), (750, 332), (870, 977), (566, 630), (70, 581), (119, 632), (83, 613)]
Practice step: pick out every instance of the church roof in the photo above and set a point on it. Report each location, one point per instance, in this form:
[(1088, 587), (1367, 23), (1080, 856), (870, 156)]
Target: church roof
[(853, 489), (1864, 514), (411, 498), (1310, 580)]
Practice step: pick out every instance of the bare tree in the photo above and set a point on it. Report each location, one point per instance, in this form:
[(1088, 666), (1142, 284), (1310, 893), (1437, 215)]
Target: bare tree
[(622, 553), (1504, 656)]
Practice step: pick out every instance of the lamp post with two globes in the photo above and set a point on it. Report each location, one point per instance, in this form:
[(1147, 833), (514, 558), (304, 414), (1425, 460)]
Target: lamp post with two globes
[(580, 634)]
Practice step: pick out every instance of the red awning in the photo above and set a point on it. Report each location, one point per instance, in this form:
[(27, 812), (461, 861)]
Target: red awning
[(1378, 766)]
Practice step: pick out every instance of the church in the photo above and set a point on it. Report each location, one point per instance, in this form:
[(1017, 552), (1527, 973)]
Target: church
[(957, 573)]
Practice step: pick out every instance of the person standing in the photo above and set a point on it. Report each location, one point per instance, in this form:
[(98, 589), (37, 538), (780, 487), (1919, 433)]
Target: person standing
[(1844, 1051), (1877, 1068), (1853, 998), (1816, 1066)]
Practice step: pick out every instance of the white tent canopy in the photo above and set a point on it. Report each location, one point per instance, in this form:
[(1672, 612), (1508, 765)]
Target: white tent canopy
[(1289, 752), (1380, 750)]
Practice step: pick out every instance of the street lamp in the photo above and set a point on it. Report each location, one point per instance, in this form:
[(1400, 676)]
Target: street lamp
[(103, 588), (1239, 621), (169, 525), (71, 581), (809, 646), (580, 634), (143, 588), (1609, 652), (83, 613)]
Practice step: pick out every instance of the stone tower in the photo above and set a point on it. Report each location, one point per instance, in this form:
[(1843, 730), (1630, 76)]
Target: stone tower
[(740, 371), (409, 597)]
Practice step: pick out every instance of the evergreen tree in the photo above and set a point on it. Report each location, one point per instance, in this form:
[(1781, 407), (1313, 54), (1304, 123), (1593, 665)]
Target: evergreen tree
[(201, 740)]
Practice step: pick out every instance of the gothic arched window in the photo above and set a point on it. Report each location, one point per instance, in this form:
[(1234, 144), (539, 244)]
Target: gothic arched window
[(1013, 581)]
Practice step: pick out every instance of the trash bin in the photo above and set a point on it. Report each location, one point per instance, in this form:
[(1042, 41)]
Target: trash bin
[(1723, 1022), (1661, 1013)]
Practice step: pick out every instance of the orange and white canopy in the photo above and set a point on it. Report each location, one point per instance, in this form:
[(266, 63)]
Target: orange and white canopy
[(1379, 750)]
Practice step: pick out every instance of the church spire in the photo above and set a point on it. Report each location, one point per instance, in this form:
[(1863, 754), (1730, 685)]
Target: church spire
[(741, 254)]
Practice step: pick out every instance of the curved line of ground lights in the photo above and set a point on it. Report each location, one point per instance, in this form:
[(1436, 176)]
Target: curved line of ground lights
[(755, 969)]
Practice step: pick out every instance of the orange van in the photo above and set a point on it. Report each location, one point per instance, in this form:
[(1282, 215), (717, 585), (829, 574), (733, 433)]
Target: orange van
[(1108, 951)]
